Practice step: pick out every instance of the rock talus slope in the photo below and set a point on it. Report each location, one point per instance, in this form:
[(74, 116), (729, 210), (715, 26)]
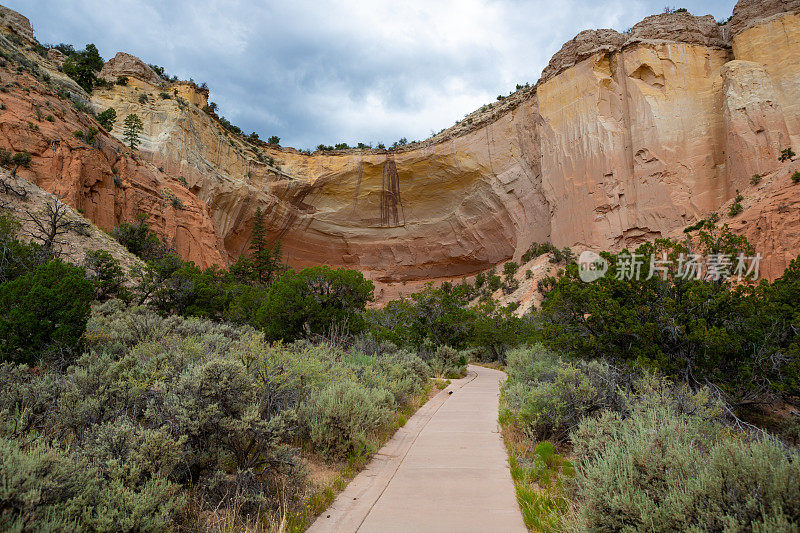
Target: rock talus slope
[(626, 137)]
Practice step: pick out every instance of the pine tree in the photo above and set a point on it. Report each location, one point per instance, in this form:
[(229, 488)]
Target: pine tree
[(133, 127), (81, 67), (266, 259), (107, 118)]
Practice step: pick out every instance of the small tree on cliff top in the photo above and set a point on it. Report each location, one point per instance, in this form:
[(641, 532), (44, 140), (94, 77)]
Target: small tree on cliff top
[(81, 66), (133, 127), (266, 259)]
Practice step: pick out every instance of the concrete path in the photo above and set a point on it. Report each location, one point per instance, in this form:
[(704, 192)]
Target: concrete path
[(446, 470)]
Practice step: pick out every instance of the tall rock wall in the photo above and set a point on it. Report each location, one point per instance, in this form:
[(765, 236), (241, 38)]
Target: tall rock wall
[(774, 44), (631, 142), (94, 172), (755, 124), (627, 137)]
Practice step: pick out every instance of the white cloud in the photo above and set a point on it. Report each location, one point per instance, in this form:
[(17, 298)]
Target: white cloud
[(317, 72)]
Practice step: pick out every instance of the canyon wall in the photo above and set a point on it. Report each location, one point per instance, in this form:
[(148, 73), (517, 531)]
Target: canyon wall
[(625, 138), (75, 159)]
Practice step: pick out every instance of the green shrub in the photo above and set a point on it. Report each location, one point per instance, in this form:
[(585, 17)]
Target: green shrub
[(44, 488), (786, 154), (447, 354), (493, 281), (113, 325), (510, 268), (217, 391), (536, 249), (339, 419), (547, 397), (19, 159), (44, 312), (663, 471), (681, 327), (796, 177), (213, 404), (551, 409), (107, 274), (510, 285), (16, 257), (315, 300), (138, 238), (736, 206), (447, 363), (403, 363)]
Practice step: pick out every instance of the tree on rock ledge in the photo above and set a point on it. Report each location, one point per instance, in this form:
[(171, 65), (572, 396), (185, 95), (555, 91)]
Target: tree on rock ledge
[(266, 259), (133, 127), (107, 118)]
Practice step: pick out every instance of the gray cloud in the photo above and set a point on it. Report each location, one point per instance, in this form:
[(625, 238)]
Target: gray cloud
[(323, 72)]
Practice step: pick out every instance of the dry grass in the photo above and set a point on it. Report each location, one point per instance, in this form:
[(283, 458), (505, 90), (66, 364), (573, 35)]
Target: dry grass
[(438, 384), (539, 475)]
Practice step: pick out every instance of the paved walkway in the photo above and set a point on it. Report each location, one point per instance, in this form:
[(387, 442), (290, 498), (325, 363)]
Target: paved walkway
[(446, 470)]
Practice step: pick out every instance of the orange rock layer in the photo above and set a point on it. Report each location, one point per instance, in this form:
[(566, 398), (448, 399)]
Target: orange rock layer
[(627, 137)]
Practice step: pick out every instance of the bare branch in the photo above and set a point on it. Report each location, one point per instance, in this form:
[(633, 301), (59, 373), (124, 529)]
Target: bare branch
[(49, 224)]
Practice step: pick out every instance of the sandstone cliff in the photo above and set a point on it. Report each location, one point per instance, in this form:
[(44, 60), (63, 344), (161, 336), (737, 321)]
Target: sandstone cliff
[(126, 65), (95, 174), (625, 138)]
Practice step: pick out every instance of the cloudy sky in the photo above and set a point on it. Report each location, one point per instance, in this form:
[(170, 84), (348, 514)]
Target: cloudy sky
[(316, 72)]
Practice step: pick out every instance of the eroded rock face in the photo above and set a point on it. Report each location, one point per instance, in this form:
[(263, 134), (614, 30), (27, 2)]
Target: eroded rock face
[(124, 64), (619, 165), (100, 178), (625, 138), (582, 46), (749, 13), (771, 220), (679, 27), (755, 125), (774, 43), (461, 204), (55, 56), (16, 23)]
